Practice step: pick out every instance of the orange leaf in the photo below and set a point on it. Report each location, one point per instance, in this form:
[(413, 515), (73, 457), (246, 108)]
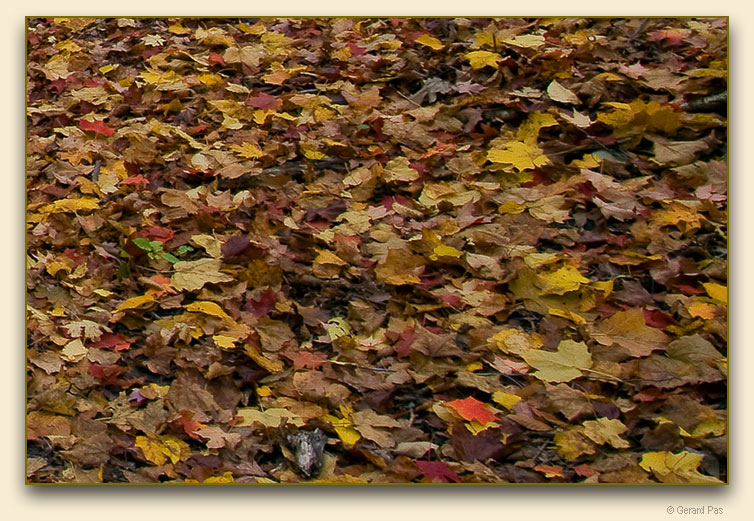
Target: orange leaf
[(472, 409)]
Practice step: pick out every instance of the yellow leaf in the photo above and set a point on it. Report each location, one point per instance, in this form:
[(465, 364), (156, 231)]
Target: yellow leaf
[(224, 342), (397, 280), (561, 366), (192, 275), (273, 366), (211, 79), (716, 291), (430, 41), (713, 426), (257, 28), (537, 260), (107, 68), (269, 417), (570, 315), (571, 443), (520, 155), (629, 330), (675, 468), (312, 153), (264, 391), (604, 430), (247, 150), (529, 41), (702, 310), (231, 123), (528, 132), (511, 207), (175, 449), (177, 28), (445, 251), (152, 450), (517, 342), (328, 257), (560, 281), (606, 286), (400, 267), (480, 59), (348, 435), (209, 243), (135, 302), (560, 94), (158, 78), (398, 169), (208, 308), (227, 477), (74, 351), (71, 205), (507, 400)]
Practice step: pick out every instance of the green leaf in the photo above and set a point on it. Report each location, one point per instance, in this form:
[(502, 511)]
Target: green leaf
[(170, 258), (142, 243), (184, 249)]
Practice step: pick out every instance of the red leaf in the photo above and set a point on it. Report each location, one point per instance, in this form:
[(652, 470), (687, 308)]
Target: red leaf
[(584, 470), (107, 373), (97, 126), (437, 470), (157, 233), (112, 341), (190, 426), (403, 345), (215, 58), (472, 409), (550, 471), (235, 246), (657, 318), (139, 181), (262, 303), (308, 359), (355, 49), (265, 102)]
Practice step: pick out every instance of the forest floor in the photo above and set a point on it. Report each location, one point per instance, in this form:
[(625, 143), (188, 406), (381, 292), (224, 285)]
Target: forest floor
[(376, 250)]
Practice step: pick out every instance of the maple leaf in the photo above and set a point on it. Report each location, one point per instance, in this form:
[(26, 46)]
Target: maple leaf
[(192, 275), (519, 155), (472, 409), (564, 279), (629, 330), (437, 471), (430, 41), (96, 126), (563, 365), (604, 430), (675, 468), (481, 59)]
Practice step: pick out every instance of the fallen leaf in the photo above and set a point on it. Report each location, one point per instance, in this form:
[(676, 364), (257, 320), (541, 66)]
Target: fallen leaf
[(629, 330), (472, 409), (604, 430), (192, 275), (563, 365), (560, 94)]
